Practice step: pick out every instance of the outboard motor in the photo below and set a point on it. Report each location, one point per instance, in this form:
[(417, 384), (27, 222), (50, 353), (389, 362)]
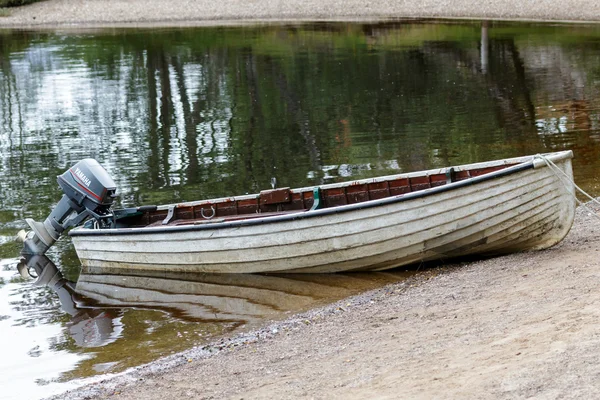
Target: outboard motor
[(89, 192)]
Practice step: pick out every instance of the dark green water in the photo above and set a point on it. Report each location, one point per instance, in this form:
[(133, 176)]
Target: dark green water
[(184, 114)]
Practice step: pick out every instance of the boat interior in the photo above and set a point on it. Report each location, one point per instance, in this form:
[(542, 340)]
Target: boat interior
[(283, 201)]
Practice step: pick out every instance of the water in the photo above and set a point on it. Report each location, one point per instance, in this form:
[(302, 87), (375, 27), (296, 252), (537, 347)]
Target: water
[(184, 114)]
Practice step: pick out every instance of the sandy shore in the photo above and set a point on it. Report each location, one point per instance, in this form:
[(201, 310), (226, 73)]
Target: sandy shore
[(519, 326), (75, 13)]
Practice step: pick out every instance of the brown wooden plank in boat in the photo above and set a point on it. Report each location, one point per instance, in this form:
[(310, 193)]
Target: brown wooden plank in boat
[(357, 193), (334, 197), (182, 212), (399, 186), (339, 191), (358, 197), (438, 180), (269, 208), (419, 183), (296, 203), (379, 190), (226, 208), (247, 206), (275, 196), (461, 175), (356, 188)]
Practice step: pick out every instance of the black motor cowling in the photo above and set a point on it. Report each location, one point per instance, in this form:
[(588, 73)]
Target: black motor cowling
[(89, 192), (88, 184)]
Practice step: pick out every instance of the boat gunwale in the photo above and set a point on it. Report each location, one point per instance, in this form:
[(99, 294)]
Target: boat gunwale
[(529, 162)]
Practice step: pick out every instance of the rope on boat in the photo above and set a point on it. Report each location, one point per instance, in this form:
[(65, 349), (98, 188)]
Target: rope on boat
[(566, 178)]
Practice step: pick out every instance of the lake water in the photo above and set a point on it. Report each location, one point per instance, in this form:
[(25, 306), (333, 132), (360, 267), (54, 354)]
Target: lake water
[(184, 114)]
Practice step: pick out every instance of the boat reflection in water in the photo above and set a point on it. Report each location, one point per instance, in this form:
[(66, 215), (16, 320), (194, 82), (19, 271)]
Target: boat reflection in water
[(99, 299), (89, 326)]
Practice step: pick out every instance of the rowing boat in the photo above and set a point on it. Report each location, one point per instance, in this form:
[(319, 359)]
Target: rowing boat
[(487, 208)]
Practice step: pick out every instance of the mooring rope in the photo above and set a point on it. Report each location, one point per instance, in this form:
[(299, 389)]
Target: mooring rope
[(564, 177)]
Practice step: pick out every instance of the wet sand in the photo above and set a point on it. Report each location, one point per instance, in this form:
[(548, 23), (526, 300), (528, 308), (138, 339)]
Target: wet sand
[(518, 326), (77, 13)]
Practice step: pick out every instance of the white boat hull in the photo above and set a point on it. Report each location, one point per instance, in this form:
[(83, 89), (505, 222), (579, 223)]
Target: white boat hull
[(528, 209)]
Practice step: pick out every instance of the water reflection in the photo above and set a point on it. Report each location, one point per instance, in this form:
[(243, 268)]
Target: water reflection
[(119, 320), (35, 342), (89, 326)]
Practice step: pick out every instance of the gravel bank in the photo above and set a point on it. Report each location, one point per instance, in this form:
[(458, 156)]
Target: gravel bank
[(197, 12), (519, 326)]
